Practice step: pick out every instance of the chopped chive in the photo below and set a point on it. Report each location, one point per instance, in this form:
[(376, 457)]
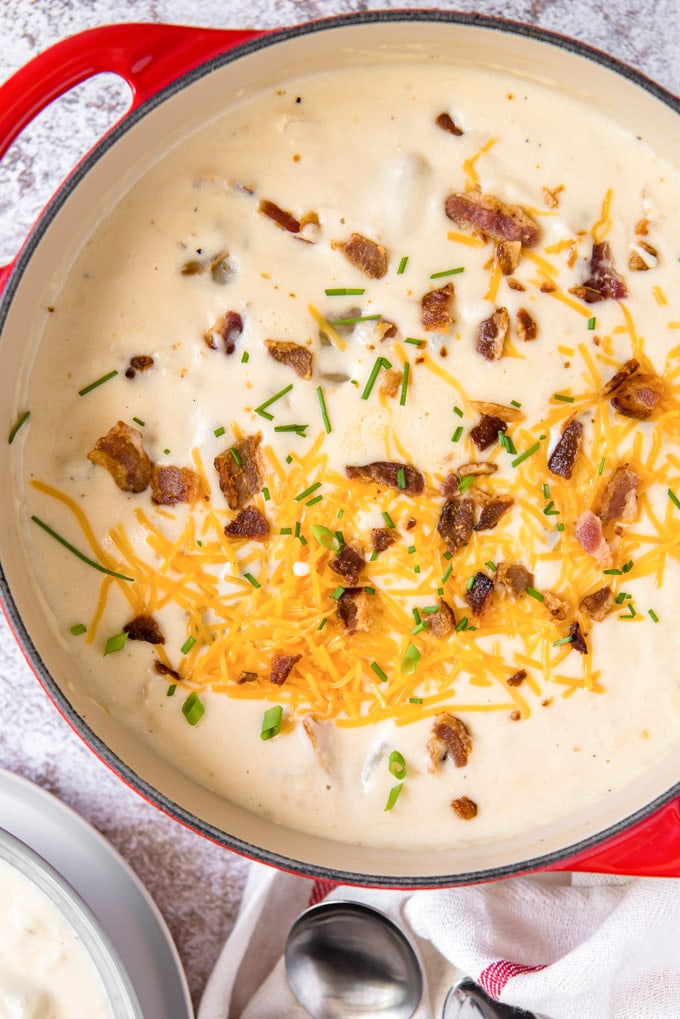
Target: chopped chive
[(440, 591), (340, 536), (416, 569), (394, 796), (379, 672), (167, 452), (340, 514), (266, 493), (322, 624), (612, 573), (415, 700), (560, 527), (187, 645), (627, 567), (491, 565), (271, 722), (80, 555), (115, 643), (262, 409), (462, 624), (298, 429), (380, 362), (414, 342), (245, 357), (138, 421), (447, 574), (219, 432), (404, 385), (457, 434), (97, 382), (674, 499), (601, 467), (369, 590), (402, 265), (297, 529), (416, 614), (458, 411), (563, 397), (533, 593), (286, 530), (313, 502), (653, 616), (171, 689), (251, 580), (78, 629), (631, 613), (199, 542), (419, 627), (591, 322), (302, 539), (357, 318), (563, 640), (469, 584), (550, 510), (193, 709), (515, 403), (237, 456), (430, 609), (401, 478), (289, 459), (397, 764), (388, 519), (344, 291), (447, 555), (307, 491), (447, 272), (410, 660), (466, 482), (373, 556), (324, 412), (546, 491), (21, 420), (620, 598), (325, 537), (411, 549), (526, 454), (338, 593)]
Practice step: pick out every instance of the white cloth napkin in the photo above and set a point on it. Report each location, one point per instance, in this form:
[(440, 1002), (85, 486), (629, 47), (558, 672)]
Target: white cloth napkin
[(589, 947)]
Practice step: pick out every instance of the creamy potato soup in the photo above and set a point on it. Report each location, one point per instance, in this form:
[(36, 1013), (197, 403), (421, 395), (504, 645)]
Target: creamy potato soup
[(352, 470)]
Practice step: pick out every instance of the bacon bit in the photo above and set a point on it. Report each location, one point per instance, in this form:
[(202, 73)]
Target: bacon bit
[(144, 628), (627, 369), (578, 642), (171, 485), (443, 621), (239, 482), (527, 328), (387, 472), (642, 257), (517, 678), (447, 124), (515, 284), (477, 470), (451, 738), (604, 280), (551, 196), (381, 538), (485, 433), (508, 254), (228, 328), (642, 227), (498, 410), (515, 715), (318, 733), (435, 309), (349, 563), (282, 666), (138, 363), (619, 499), (122, 453), (365, 254), (164, 670), (465, 808), (564, 455), (513, 578), (310, 228), (283, 219), (480, 594), (354, 609), (589, 535), (294, 355), (456, 523), (639, 396), (391, 384), (548, 287), (487, 215), (247, 677), (492, 511), (557, 607), (410, 523), (249, 523), (598, 604), (492, 335), (385, 330)]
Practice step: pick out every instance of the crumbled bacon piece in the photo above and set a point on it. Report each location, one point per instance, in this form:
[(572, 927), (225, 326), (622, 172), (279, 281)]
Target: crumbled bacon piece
[(479, 595), (388, 472), (499, 410), (241, 476), (563, 457), (465, 808), (508, 254), (604, 281), (598, 604), (514, 578), (281, 668), (642, 257), (294, 355), (557, 607), (435, 309), (354, 609), (450, 738), (365, 254), (247, 677), (249, 523), (391, 384), (515, 284), (382, 538), (485, 433), (122, 453), (171, 485), (490, 217), (551, 196), (443, 621), (456, 522), (589, 535), (527, 329), (445, 121), (164, 670), (228, 328), (349, 563), (639, 396), (385, 330), (144, 628), (492, 510), (578, 641), (627, 369), (492, 334), (320, 737), (619, 499), (283, 219), (517, 678), (138, 363), (476, 470)]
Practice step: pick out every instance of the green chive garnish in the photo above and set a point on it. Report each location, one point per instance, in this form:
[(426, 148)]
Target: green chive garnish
[(219, 432), (653, 616), (470, 583), (560, 527), (78, 629), (612, 573), (457, 434), (466, 482), (410, 660), (415, 700), (458, 411), (526, 454), (388, 519), (344, 291), (324, 411), (187, 645), (115, 643), (171, 689), (286, 530), (167, 452), (404, 385), (245, 357), (298, 429), (325, 537), (550, 510), (402, 265), (262, 409), (447, 272), (627, 567), (271, 722), (193, 709), (601, 467), (97, 382), (515, 403), (401, 478), (379, 672), (462, 624), (322, 624), (380, 362), (266, 493), (397, 765), (251, 580), (563, 397), (394, 796), (563, 640), (338, 593), (369, 590), (591, 322), (80, 555), (357, 318), (416, 569), (313, 502), (307, 491), (414, 342), (447, 574), (674, 499), (411, 549), (339, 514), (533, 593), (289, 459), (21, 420), (491, 565), (237, 456)]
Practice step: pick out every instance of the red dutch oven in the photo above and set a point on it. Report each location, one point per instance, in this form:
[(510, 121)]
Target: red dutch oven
[(179, 77)]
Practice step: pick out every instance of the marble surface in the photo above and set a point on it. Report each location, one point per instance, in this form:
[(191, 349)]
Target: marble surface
[(197, 885)]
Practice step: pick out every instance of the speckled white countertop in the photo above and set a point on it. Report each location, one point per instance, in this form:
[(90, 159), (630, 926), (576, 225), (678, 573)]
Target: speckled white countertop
[(198, 885)]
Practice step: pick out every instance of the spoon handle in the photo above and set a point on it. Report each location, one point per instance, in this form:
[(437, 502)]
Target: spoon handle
[(466, 1000)]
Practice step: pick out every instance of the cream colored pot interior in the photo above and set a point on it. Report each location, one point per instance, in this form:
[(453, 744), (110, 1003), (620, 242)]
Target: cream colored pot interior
[(95, 193)]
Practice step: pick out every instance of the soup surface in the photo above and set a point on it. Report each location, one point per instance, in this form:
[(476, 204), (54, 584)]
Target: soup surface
[(366, 396)]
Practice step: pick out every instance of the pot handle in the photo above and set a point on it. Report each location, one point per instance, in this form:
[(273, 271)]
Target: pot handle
[(147, 56)]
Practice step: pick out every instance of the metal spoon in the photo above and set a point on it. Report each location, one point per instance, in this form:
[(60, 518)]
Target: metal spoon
[(466, 1000), (347, 959)]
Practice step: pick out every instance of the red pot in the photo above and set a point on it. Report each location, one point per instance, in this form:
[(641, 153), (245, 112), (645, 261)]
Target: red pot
[(174, 72)]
